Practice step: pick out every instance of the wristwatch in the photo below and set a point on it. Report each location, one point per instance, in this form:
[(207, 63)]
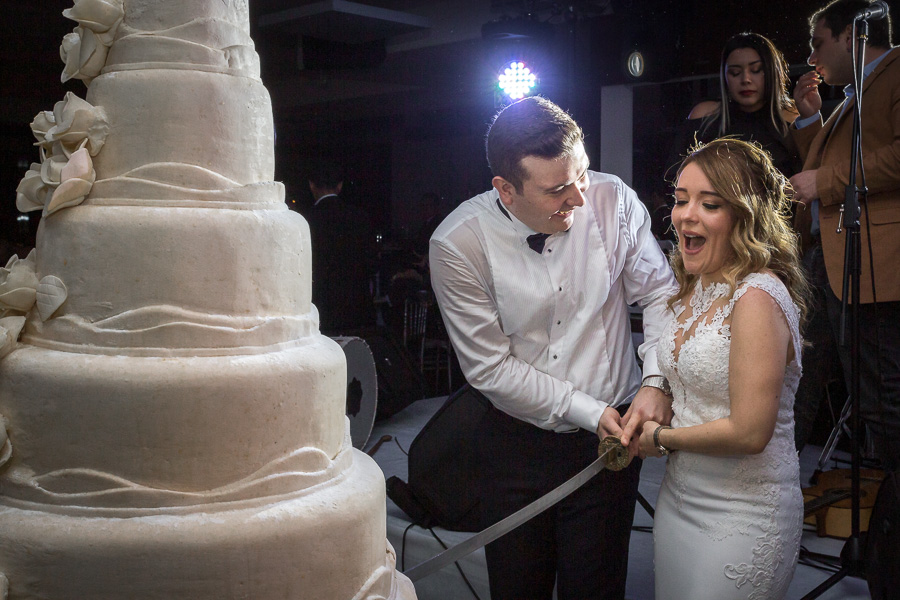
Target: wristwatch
[(659, 382)]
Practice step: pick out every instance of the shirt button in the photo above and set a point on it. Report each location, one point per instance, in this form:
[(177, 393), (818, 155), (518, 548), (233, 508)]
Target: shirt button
[(559, 322), (554, 356), (560, 288)]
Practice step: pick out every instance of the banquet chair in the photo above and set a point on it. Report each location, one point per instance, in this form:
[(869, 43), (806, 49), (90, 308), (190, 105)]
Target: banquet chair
[(434, 353)]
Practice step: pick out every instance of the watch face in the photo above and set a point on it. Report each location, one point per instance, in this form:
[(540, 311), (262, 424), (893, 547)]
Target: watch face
[(659, 382)]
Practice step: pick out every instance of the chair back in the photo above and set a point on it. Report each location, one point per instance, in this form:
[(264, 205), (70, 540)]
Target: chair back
[(415, 319)]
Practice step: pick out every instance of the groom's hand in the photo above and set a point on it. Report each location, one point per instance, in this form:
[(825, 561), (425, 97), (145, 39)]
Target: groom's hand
[(610, 423), (649, 404)]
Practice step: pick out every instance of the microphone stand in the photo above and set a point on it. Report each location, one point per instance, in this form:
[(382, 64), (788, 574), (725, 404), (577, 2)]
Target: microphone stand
[(852, 559)]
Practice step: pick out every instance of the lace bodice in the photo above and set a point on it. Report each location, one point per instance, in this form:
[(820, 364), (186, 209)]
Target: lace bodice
[(694, 350)]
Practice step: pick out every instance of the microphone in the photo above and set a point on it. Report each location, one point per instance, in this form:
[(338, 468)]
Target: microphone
[(878, 10)]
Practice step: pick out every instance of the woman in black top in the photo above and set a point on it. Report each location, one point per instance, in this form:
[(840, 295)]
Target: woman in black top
[(753, 78)]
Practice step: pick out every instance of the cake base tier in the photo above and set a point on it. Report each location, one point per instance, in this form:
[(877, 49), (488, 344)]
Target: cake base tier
[(110, 431), (327, 544)]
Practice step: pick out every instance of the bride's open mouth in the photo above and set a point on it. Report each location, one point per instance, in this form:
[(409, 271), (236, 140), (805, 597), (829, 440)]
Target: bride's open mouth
[(693, 242)]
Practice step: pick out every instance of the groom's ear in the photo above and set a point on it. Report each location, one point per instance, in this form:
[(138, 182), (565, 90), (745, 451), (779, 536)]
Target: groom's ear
[(506, 190)]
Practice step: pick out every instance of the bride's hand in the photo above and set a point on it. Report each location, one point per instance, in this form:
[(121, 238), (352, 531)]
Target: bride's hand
[(650, 404)]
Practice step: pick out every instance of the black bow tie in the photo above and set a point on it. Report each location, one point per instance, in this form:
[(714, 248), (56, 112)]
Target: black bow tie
[(536, 241)]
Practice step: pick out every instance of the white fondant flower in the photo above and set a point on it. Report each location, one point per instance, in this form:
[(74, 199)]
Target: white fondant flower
[(10, 328), (41, 125), (40, 182), (75, 127), (83, 54), (100, 16), (18, 285), (51, 293), (77, 121), (76, 180), (85, 49), (33, 193), (51, 169)]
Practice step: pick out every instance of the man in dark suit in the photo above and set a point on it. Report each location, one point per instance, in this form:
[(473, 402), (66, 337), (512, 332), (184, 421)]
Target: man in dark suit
[(343, 257), (825, 148)]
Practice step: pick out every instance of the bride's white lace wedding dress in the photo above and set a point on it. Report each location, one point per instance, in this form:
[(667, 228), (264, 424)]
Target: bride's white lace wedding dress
[(725, 527)]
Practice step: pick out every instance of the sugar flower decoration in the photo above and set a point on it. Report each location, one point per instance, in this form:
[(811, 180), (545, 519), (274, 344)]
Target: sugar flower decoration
[(85, 49), (20, 290), (75, 182), (67, 137), (41, 125), (100, 16), (51, 293), (76, 123), (83, 54), (10, 328), (18, 285), (33, 192)]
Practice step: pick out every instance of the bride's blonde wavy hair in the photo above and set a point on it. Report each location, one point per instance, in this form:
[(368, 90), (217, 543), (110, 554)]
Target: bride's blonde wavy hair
[(743, 175)]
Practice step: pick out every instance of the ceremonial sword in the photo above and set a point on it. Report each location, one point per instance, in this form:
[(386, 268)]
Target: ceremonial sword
[(612, 455)]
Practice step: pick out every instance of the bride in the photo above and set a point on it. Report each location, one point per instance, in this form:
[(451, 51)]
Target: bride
[(729, 515)]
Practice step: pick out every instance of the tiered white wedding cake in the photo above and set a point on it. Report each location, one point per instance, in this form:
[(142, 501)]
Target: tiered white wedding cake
[(171, 421)]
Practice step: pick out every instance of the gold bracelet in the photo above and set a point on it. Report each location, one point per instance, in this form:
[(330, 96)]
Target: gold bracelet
[(663, 451)]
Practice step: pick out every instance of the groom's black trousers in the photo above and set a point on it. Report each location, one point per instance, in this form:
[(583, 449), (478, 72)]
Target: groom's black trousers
[(581, 543)]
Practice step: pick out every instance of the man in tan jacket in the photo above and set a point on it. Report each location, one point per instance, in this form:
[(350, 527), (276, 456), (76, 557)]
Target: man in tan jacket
[(825, 149)]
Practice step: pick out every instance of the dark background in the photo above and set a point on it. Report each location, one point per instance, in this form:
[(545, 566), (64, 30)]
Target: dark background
[(404, 109)]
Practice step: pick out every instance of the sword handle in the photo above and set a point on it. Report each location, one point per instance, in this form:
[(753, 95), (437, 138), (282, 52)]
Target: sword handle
[(617, 457)]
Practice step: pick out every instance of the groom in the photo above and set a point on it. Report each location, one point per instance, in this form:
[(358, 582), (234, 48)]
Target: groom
[(534, 279)]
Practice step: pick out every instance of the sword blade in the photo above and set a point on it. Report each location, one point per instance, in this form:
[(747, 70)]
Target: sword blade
[(502, 527)]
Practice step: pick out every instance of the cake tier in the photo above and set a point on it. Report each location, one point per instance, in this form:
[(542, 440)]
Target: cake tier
[(119, 431), (328, 543), (172, 132), (154, 15), (211, 34), (149, 280)]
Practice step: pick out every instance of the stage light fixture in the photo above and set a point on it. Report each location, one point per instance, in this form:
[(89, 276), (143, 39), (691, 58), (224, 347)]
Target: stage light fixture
[(634, 64), (517, 80)]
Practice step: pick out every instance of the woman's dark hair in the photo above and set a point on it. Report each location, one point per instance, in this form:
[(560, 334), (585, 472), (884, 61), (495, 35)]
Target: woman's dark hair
[(775, 68)]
